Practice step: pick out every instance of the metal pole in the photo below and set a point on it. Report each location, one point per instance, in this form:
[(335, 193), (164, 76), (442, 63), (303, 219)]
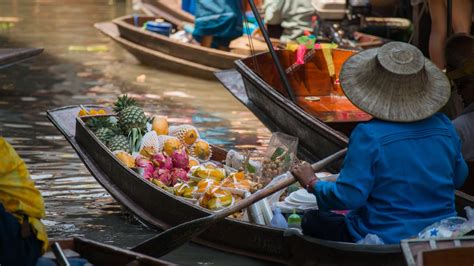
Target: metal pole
[(449, 16), (281, 71)]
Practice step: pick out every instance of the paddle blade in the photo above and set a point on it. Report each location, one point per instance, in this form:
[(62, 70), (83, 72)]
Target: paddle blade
[(175, 237)]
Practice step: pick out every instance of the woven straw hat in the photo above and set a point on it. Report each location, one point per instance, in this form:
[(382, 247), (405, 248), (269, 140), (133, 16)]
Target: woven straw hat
[(395, 83)]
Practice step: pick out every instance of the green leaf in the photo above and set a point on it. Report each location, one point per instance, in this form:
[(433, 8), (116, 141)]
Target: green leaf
[(278, 152), (251, 169), (286, 161)]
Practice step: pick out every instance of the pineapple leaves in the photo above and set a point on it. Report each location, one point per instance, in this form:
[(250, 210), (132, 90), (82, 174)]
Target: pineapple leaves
[(135, 139)]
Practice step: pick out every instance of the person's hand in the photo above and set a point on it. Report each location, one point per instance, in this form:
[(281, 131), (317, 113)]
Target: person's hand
[(304, 173)]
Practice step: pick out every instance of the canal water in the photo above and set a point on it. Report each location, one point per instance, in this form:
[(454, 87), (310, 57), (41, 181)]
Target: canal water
[(81, 66)]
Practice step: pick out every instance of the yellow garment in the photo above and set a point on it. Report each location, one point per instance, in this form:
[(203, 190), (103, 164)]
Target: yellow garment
[(18, 193)]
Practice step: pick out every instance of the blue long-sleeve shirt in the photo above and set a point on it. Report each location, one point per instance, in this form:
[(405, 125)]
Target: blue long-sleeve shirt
[(397, 178)]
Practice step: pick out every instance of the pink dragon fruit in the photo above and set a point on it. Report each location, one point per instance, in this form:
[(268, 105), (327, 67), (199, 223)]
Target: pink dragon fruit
[(163, 175), (178, 174), (162, 161), (180, 159), (146, 165)]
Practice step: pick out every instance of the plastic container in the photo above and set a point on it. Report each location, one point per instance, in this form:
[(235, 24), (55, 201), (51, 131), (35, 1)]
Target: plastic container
[(163, 28), (278, 219), (294, 220)]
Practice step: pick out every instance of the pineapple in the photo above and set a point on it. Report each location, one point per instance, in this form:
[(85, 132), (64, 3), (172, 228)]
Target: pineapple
[(124, 102), (105, 134), (132, 120), (119, 142), (96, 123), (132, 117)]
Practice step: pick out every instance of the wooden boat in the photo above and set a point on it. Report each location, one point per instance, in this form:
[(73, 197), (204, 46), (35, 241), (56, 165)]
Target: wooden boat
[(171, 10), (160, 209), (11, 56), (322, 126), (155, 58), (205, 56), (448, 251), (102, 254)]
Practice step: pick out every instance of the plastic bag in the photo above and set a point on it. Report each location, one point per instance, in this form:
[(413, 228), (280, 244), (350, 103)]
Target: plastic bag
[(371, 239), (236, 160), (450, 227), (280, 155)]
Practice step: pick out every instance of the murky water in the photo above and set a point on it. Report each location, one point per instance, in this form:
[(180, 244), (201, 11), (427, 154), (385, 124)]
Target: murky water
[(76, 204)]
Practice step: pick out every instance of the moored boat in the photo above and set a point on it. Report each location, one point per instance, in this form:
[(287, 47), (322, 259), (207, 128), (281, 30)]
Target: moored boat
[(155, 58), (11, 56), (232, 235), (191, 52), (101, 254)]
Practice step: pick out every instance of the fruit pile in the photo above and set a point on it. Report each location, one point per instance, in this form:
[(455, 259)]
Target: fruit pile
[(174, 158)]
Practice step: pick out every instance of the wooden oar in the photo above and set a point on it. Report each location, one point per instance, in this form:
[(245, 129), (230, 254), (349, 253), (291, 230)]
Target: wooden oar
[(173, 238)]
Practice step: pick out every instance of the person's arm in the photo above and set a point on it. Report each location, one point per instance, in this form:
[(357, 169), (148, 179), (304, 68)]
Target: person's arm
[(356, 179), (460, 168)]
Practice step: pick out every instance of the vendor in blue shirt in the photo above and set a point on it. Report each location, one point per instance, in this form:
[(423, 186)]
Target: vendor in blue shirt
[(403, 166)]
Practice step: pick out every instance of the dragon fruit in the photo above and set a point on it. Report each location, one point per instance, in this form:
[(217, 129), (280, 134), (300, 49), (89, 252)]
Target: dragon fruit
[(162, 161), (179, 174), (163, 175), (146, 165), (180, 159)]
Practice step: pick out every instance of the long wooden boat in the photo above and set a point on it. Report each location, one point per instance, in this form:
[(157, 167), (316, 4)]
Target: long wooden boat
[(160, 209), (101, 254), (11, 56), (323, 126), (155, 58), (190, 52)]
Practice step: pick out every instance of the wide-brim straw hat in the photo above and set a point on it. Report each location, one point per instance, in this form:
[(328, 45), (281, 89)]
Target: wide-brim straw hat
[(395, 82)]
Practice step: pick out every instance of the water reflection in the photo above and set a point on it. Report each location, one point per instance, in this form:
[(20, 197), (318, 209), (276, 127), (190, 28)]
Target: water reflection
[(76, 204)]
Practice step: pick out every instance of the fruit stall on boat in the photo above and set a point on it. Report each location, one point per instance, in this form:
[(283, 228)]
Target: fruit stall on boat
[(163, 198), (322, 116)]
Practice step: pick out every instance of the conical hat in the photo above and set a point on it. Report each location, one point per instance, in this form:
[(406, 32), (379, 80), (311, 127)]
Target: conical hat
[(395, 83)]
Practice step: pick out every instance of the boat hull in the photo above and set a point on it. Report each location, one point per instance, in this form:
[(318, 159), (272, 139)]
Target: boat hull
[(161, 209), (154, 58), (190, 52)]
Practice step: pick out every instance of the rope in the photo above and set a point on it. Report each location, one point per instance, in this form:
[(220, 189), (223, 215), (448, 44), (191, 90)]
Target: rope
[(423, 8), (250, 39)]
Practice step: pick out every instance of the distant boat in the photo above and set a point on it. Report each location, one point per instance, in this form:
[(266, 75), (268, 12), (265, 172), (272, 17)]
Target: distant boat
[(11, 56)]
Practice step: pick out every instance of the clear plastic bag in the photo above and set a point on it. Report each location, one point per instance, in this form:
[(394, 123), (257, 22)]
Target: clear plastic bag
[(280, 155), (371, 239), (450, 227), (238, 161)]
